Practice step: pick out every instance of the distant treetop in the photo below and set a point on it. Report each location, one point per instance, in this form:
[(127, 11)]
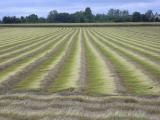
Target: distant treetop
[(113, 15)]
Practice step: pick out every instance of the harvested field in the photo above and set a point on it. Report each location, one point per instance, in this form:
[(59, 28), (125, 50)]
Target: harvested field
[(80, 73)]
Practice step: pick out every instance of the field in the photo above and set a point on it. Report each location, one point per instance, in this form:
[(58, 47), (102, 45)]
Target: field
[(80, 73)]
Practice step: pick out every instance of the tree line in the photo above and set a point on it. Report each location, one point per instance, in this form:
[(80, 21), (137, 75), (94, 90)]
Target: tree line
[(86, 16)]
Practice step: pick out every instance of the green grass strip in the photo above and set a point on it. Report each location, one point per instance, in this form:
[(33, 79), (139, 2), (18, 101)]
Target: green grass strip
[(132, 42), (135, 38), (68, 77), (100, 80), (24, 62), (148, 66), (141, 52), (33, 81), (48, 42), (30, 41), (135, 80), (26, 49)]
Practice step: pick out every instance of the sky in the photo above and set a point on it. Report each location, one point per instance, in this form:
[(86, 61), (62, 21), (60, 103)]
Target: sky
[(42, 7)]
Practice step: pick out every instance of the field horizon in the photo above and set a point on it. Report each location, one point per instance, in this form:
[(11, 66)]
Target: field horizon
[(105, 24)]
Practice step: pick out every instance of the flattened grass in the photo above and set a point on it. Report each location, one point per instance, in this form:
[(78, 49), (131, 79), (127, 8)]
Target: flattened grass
[(135, 81), (69, 75), (20, 65), (33, 81), (144, 63), (100, 80)]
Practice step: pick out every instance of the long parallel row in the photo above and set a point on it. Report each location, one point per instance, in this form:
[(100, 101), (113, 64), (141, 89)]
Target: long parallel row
[(135, 41), (148, 66), (34, 79), (144, 42), (19, 67), (21, 44), (134, 80), (27, 47), (91, 61), (23, 34)]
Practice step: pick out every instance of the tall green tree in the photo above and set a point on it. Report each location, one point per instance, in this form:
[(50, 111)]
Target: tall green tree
[(88, 15), (8, 19), (52, 16), (79, 17), (63, 18), (150, 16), (41, 20), (23, 19), (33, 18), (136, 17)]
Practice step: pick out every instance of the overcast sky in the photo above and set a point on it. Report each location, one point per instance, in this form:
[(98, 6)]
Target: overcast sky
[(42, 7)]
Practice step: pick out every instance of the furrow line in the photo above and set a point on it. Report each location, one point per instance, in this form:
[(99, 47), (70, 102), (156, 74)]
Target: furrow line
[(28, 33), (84, 67), (155, 58), (29, 54), (100, 80), (68, 75), (151, 70), (16, 53), (134, 38), (26, 68), (118, 79), (33, 81), (146, 35), (30, 41), (134, 79), (18, 37), (133, 43)]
